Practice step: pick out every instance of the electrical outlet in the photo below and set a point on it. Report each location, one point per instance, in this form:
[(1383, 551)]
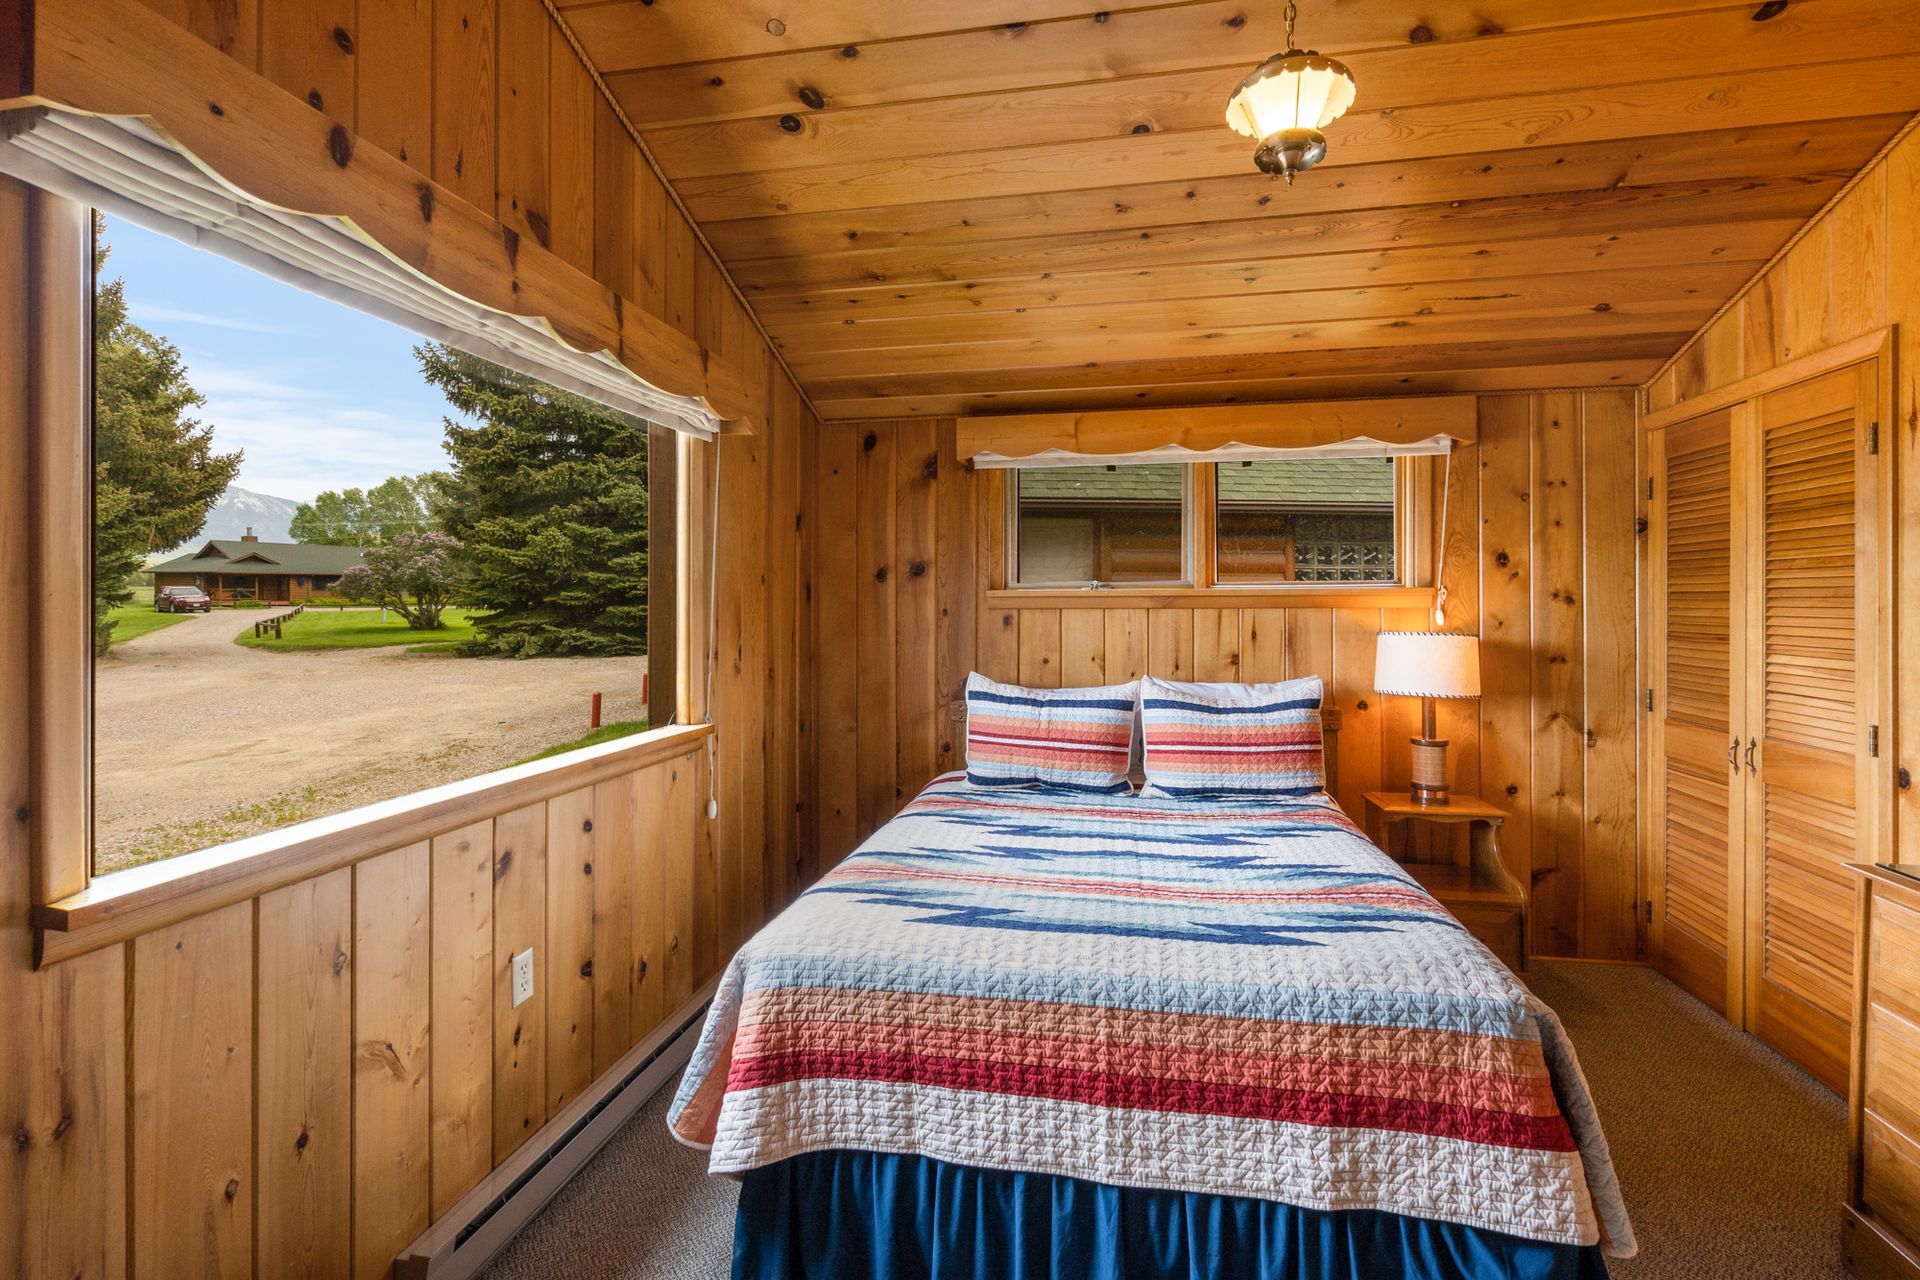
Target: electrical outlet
[(523, 977)]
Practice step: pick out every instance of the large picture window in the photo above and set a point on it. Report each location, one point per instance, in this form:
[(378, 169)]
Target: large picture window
[(335, 564), (1281, 522)]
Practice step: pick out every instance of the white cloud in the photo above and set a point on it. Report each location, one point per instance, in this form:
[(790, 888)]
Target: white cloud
[(149, 314)]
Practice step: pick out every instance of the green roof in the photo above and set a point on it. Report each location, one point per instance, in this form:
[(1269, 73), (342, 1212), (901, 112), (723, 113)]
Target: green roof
[(1342, 482), (232, 556)]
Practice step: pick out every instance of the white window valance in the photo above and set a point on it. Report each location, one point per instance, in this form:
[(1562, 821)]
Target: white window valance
[(125, 167), (1416, 426)]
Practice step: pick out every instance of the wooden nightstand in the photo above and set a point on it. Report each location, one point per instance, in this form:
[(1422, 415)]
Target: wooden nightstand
[(1481, 894)]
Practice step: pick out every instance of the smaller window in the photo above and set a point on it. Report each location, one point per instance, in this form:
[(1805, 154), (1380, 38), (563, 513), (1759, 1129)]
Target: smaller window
[(1306, 520), (1101, 524)]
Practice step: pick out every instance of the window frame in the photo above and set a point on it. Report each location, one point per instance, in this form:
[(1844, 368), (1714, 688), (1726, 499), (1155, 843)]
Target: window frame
[(73, 911), (1415, 503)]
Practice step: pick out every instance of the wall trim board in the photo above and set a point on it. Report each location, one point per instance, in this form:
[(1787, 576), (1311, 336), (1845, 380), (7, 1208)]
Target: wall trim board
[(1305, 597), (1878, 343)]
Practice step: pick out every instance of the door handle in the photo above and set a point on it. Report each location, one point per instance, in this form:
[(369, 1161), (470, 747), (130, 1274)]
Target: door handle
[(1733, 755), (1751, 744)]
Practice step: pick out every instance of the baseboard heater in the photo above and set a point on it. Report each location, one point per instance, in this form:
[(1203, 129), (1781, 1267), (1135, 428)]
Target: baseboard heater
[(468, 1235)]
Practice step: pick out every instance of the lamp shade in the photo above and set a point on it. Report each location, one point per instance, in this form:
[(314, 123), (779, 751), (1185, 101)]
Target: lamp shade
[(1427, 664), (1291, 90)]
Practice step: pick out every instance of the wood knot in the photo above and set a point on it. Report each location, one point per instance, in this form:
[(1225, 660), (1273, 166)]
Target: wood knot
[(426, 202), (640, 971), (587, 826), (300, 1143), (1501, 559), (339, 962), (1237, 21), (343, 38), (1142, 127), (918, 569), (502, 864), (340, 145), (870, 442), (812, 97), (216, 109), (790, 124), (315, 101), (850, 51), (233, 1189), (1770, 10), (880, 574), (932, 468), (586, 970), (1422, 34), (1513, 789)]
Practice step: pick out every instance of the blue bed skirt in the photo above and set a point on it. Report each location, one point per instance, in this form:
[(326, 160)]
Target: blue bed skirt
[(855, 1215)]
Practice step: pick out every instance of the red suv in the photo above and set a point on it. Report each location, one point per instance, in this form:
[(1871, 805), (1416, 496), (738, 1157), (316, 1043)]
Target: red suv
[(182, 600)]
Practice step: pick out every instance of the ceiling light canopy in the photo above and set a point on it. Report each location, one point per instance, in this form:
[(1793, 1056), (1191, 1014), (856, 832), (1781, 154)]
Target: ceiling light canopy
[(1286, 101)]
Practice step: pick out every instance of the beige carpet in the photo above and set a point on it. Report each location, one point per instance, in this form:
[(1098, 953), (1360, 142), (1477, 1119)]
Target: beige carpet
[(1733, 1161)]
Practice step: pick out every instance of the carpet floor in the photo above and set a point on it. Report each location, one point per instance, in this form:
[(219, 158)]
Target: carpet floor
[(1733, 1160)]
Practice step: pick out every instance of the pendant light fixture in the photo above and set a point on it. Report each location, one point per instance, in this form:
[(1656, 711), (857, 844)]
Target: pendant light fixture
[(1286, 101)]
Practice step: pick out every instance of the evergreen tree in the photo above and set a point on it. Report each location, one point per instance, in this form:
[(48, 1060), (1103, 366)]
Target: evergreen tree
[(548, 498), (156, 473)]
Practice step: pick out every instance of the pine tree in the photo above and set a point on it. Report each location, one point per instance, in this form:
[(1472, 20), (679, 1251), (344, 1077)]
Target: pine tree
[(548, 498), (156, 474)]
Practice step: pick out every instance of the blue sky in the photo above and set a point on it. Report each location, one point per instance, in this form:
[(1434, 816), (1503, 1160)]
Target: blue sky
[(319, 395)]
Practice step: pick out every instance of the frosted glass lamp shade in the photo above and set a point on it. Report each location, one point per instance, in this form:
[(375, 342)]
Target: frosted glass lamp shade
[(1427, 664), (1292, 90)]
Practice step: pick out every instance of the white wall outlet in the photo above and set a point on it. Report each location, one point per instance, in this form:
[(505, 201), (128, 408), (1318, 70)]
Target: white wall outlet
[(523, 977)]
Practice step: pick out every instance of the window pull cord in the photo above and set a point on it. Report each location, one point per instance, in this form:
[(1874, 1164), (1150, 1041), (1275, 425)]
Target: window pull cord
[(713, 611)]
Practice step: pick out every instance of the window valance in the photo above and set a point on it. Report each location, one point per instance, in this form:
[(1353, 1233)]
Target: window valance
[(1410, 427), (124, 166)]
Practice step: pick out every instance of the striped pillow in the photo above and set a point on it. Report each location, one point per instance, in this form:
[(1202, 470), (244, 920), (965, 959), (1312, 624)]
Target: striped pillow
[(1075, 738), (1232, 739)]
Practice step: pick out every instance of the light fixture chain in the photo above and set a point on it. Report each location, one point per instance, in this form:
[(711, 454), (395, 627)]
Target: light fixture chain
[(1292, 13)]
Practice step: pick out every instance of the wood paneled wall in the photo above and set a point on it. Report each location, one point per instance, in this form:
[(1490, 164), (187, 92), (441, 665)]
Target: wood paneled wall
[(1539, 561), (1853, 272), (296, 1084)]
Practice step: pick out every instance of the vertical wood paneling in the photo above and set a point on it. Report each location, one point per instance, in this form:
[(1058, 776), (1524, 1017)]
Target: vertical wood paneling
[(1170, 644), (613, 872), (393, 92), (392, 905), (464, 111), (1125, 642), (1558, 734), (524, 107), (1263, 634), (568, 958), (878, 728), (835, 640), (916, 607), (1361, 716), (519, 924), (646, 795), (1040, 648), (569, 137), (191, 1109), (677, 819), (461, 1063), (306, 47), (1216, 644), (1609, 915), (1506, 621), (303, 1129), (1903, 307), (1083, 647), (956, 570)]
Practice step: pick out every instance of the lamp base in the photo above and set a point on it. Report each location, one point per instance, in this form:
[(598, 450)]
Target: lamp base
[(1429, 777)]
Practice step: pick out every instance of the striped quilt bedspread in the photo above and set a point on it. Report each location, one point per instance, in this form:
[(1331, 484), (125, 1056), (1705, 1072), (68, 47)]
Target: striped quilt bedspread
[(1239, 997)]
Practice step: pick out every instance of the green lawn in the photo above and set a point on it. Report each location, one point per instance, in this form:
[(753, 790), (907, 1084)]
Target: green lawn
[(605, 733), (137, 618), (360, 629)]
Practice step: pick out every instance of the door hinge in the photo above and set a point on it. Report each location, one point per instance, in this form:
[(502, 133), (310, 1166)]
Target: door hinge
[(1873, 742), (1649, 699), (1873, 438)]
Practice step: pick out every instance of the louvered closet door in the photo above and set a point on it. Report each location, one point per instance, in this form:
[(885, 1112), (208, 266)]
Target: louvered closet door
[(1694, 801), (1811, 637)]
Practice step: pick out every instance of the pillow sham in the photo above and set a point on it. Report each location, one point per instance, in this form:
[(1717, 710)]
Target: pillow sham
[(1078, 739), (1232, 739)]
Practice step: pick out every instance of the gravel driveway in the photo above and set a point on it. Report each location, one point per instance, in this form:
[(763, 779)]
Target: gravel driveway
[(198, 740)]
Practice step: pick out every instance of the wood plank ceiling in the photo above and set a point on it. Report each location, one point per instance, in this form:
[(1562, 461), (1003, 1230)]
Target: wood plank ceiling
[(1044, 208)]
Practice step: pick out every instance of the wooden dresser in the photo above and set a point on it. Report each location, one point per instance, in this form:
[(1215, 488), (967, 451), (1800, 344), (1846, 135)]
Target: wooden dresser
[(1881, 1231)]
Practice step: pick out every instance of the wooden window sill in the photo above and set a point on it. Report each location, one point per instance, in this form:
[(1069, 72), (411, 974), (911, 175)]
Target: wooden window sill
[(125, 903), (1248, 597)]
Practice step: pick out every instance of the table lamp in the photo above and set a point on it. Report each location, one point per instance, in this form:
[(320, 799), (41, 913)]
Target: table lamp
[(1427, 665)]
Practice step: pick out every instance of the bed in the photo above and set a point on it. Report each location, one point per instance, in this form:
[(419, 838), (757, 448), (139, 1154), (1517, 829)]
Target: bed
[(1031, 1033)]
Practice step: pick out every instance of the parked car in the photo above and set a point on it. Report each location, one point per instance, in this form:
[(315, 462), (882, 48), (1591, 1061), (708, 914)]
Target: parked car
[(182, 600)]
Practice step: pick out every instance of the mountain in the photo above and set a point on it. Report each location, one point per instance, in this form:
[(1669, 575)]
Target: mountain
[(239, 509)]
